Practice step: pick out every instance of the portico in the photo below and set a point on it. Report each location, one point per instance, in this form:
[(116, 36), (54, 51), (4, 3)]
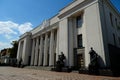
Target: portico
[(43, 49)]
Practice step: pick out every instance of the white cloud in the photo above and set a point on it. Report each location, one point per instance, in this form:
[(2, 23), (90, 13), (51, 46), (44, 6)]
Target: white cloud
[(25, 27), (9, 28), (11, 31), (5, 45)]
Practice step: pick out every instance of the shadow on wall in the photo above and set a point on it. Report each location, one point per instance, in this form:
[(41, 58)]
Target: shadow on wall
[(96, 62), (97, 65)]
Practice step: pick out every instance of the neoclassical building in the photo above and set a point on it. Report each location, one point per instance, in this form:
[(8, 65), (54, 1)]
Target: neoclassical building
[(74, 30)]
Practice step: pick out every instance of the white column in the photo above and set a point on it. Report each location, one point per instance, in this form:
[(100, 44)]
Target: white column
[(63, 39), (51, 50), (45, 50), (21, 49), (70, 42), (24, 51), (36, 52), (33, 50), (41, 51), (57, 45), (18, 52)]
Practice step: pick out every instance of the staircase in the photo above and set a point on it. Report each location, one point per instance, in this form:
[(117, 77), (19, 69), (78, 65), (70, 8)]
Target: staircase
[(39, 67)]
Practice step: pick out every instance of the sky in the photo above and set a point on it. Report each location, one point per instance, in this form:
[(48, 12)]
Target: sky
[(20, 16)]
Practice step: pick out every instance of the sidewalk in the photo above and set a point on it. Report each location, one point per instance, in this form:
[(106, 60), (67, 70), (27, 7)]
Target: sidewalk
[(11, 73)]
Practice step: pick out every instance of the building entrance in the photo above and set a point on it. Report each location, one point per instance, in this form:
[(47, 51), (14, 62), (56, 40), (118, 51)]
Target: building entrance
[(79, 58), (80, 61)]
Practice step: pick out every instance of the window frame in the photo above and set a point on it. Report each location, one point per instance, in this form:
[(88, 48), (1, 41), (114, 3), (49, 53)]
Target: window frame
[(79, 41), (111, 19), (79, 21), (114, 38)]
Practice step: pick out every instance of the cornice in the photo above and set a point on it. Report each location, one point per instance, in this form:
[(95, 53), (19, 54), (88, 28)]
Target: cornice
[(25, 35), (47, 29), (110, 4), (77, 7)]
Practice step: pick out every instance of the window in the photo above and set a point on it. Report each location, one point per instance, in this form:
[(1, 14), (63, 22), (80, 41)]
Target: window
[(111, 19), (119, 40), (79, 40), (116, 22), (118, 26), (79, 21), (114, 39)]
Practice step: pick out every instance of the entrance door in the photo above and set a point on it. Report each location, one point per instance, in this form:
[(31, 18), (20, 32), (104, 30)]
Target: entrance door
[(80, 61)]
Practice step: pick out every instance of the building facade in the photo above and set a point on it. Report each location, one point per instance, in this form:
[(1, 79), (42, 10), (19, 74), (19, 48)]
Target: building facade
[(74, 30)]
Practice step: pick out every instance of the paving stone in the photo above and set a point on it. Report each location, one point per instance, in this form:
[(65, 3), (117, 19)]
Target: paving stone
[(12, 73)]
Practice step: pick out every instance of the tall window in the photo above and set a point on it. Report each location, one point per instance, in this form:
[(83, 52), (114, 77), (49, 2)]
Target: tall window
[(79, 40), (114, 39), (111, 19), (79, 21), (116, 22)]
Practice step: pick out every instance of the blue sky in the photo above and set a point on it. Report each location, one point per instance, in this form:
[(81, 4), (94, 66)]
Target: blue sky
[(19, 16)]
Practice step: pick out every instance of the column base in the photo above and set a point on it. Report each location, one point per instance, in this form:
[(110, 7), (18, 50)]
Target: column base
[(45, 65), (40, 65), (31, 65), (51, 65)]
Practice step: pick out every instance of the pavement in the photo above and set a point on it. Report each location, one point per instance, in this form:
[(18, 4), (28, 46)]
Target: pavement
[(12, 73)]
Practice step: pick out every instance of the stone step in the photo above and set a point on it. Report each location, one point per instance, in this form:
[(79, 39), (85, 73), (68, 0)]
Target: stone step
[(39, 67), (74, 71)]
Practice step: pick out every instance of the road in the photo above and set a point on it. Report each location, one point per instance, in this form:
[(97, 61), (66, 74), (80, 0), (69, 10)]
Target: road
[(12, 73)]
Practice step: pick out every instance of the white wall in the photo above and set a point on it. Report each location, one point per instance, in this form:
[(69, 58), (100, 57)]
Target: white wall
[(28, 49), (93, 33), (107, 29), (104, 32), (63, 38), (70, 42)]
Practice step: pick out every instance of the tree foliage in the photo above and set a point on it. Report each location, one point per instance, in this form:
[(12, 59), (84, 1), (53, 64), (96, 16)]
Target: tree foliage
[(13, 51)]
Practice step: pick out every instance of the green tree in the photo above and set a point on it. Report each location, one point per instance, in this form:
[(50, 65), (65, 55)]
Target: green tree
[(13, 50)]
